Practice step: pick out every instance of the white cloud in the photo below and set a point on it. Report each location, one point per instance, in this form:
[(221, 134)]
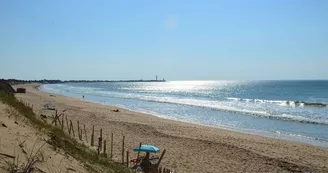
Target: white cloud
[(171, 22)]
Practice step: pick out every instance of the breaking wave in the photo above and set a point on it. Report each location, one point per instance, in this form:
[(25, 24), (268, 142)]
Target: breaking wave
[(281, 102)]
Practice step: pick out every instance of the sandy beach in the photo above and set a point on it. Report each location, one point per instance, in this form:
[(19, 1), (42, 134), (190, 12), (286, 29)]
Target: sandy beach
[(190, 148)]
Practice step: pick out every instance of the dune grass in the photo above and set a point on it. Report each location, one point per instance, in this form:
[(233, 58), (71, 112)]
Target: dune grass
[(60, 140)]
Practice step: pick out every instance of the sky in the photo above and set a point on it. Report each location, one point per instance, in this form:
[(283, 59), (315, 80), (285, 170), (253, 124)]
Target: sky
[(174, 39)]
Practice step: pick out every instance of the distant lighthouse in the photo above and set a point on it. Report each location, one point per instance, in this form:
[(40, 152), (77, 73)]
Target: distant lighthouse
[(156, 77)]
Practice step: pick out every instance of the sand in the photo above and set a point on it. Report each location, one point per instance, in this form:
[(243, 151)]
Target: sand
[(20, 140), (190, 148)]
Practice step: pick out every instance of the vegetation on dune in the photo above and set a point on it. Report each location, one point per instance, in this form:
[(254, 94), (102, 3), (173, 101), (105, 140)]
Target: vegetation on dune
[(59, 139), (6, 87)]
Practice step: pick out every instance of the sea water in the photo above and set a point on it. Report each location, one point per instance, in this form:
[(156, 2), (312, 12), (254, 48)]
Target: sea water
[(291, 110)]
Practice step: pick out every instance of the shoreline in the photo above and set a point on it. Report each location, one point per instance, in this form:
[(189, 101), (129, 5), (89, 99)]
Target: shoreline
[(292, 137), (289, 137), (230, 151)]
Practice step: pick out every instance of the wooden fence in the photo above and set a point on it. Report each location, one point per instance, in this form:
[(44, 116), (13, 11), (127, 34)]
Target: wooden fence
[(62, 121)]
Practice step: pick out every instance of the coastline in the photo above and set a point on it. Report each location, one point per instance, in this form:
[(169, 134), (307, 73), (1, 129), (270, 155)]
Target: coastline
[(191, 147), (231, 117)]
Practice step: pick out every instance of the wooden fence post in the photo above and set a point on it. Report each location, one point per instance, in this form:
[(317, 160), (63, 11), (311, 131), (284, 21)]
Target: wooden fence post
[(105, 149), (72, 127), (139, 151), (127, 159), (81, 133), (69, 129), (62, 122), (160, 159), (78, 129), (101, 139), (100, 142), (85, 134), (111, 146), (67, 125), (55, 118), (123, 149), (92, 135)]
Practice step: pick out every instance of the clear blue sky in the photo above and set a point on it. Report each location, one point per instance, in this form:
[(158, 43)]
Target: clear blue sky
[(175, 39)]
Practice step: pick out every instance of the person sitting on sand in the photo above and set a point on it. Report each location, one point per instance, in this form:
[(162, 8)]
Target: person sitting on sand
[(145, 163)]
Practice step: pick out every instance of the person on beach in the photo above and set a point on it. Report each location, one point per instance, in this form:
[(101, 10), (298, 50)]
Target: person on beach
[(83, 97), (145, 163)]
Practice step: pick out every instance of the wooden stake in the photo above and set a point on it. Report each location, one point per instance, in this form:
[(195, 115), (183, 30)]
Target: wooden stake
[(123, 149), (99, 143), (85, 133), (72, 128), (78, 129), (81, 133), (160, 159), (139, 151), (67, 125), (62, 122), (127, 159), (105, 149), (111, 146), (92, 135), (56, 118)]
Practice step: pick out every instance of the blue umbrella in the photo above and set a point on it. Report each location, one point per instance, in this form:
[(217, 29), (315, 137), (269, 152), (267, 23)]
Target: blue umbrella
[(147, 148)]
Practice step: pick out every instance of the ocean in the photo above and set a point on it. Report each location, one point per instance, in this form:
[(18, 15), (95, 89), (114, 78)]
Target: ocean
[(290, 110)]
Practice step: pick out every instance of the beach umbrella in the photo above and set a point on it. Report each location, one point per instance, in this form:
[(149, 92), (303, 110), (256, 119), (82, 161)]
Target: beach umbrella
[(147, 148)]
